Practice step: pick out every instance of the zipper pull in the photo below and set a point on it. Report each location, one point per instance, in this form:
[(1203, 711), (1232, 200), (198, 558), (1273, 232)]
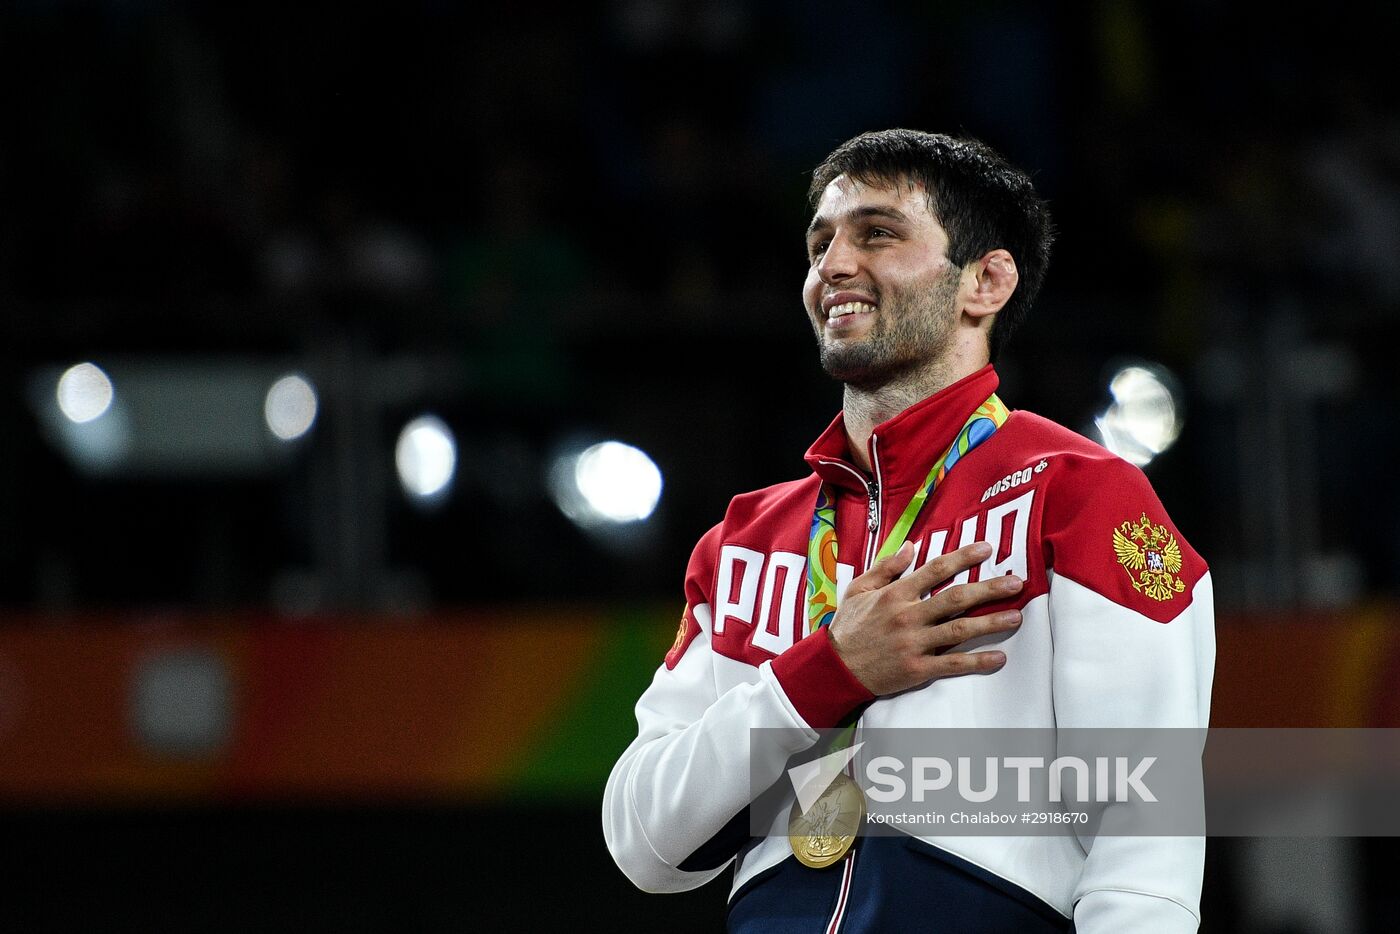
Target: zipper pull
[(872, 514)]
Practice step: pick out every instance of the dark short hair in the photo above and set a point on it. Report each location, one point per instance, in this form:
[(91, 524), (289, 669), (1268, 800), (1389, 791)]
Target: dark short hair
[(979, 198)]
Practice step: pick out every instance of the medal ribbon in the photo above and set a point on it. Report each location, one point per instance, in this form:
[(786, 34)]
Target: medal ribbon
[(821, 545)]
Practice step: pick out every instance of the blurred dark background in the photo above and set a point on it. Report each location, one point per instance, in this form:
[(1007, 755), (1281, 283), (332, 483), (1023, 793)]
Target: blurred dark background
[(545, 229)]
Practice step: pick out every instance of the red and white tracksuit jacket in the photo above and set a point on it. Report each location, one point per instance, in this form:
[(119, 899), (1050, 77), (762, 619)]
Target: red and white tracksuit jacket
[(1092, 651)]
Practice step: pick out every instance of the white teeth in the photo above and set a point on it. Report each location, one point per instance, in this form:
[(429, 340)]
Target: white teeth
[(849, 308)]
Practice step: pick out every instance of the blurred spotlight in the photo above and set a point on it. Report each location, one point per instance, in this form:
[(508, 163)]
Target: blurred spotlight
[(84, 393), (609, 483), (1144, 419), (290, 407), (426, 456)]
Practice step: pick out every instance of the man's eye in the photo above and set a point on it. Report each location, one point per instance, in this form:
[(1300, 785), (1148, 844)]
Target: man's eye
[(879, 232), (818, 248)]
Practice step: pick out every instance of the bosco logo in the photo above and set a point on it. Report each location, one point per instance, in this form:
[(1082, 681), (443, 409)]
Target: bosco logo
[(1013, 480)]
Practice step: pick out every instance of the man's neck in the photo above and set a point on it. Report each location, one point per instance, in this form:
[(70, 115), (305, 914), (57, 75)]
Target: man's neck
[(865, 407)]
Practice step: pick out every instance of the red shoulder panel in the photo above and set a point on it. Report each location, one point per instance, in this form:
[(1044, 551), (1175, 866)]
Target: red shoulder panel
[(1104, 527)]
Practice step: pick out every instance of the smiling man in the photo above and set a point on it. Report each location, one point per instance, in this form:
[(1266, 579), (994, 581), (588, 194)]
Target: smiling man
[(947, 563)]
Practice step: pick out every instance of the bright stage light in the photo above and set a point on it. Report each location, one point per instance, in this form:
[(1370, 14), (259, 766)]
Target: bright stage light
[(1144, 419), (426, 457), (609, 483), (84, 393), (290, 407)]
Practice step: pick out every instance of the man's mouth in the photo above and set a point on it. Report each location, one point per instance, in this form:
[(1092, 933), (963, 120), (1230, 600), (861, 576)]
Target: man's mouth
[(850, 308), (840, 315)]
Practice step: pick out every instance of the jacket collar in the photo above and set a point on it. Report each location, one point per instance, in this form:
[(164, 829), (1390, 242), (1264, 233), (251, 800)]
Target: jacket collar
[(902, 449)]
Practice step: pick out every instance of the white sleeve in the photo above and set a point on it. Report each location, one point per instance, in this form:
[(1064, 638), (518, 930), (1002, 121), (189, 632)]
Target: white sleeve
[(1115, 667), (688, 772)]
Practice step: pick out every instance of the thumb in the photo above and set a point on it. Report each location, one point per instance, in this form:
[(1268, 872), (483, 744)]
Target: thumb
[(884, 571)]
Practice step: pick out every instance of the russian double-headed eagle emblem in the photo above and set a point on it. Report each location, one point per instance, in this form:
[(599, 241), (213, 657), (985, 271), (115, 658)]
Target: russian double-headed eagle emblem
[(1150, 556)]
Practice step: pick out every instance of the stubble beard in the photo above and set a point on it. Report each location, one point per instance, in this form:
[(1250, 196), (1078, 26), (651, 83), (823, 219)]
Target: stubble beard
[(910, 333)]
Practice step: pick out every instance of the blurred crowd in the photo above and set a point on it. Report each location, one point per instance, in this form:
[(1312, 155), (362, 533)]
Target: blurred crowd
[(595, 217)]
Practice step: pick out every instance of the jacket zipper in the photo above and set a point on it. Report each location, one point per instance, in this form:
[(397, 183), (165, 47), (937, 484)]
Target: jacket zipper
[(872, 523), (873, 510), (873, 504)]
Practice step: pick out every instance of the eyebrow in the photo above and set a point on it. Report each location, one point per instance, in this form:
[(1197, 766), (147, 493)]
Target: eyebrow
[(862, 213)]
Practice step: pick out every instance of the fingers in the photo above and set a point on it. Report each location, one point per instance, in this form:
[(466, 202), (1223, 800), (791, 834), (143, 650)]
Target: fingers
[(884, 571), (964, 663), (961, 598), (894, 638), (944, 568), (957, 631), (952, 664)]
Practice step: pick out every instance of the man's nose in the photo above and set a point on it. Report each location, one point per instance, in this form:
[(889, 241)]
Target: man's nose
[(839, 262)]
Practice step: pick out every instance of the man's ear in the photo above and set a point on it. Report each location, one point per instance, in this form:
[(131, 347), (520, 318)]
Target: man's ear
[(987, 284)]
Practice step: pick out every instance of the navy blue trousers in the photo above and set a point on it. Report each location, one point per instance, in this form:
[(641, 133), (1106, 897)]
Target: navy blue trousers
[(899, 884)]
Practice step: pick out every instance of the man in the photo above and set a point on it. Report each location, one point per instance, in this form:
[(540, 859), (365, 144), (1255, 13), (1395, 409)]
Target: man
[(1052, 603)]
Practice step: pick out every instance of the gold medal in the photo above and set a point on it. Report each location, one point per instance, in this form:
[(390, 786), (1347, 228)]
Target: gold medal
[(823, 834)]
